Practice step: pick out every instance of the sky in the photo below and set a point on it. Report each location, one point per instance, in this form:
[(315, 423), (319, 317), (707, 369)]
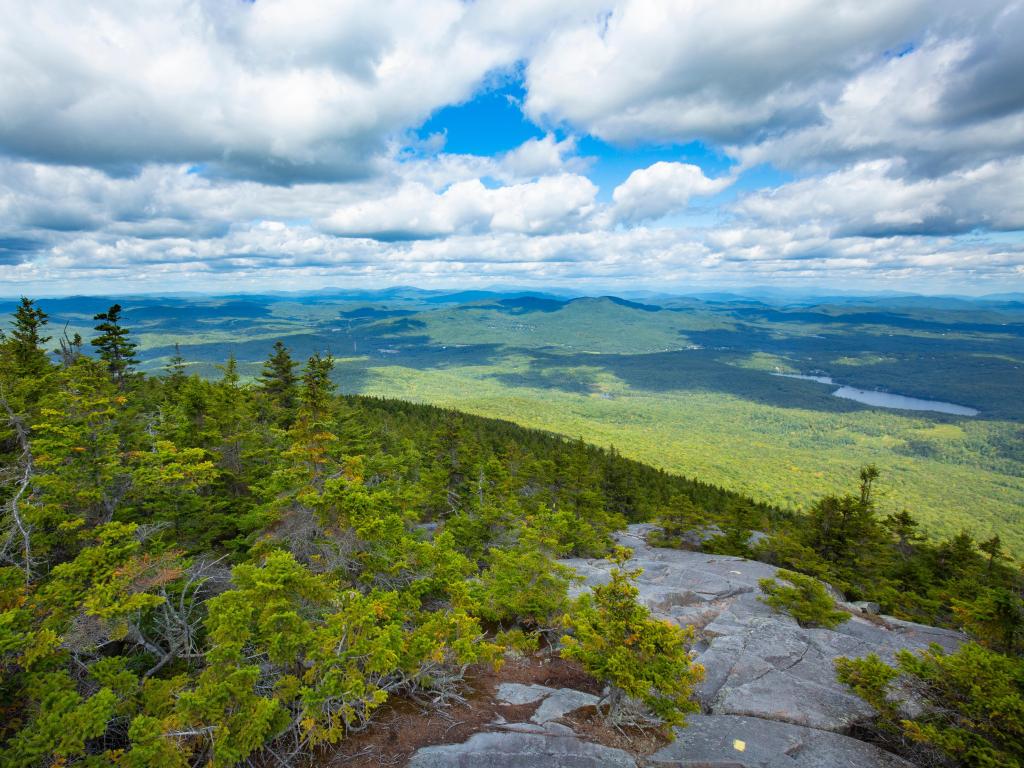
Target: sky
[(664, 145)]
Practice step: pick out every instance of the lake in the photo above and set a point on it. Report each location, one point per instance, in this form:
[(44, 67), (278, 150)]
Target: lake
[(886, 399), (902, 402)]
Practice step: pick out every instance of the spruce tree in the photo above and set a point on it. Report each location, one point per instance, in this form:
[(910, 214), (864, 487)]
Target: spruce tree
[(231, 412), (278, 383), (230, 378), (312, 435), (994, 549), (176, 369), (113, 345), (681, 521), (903, 527), (27, 338)]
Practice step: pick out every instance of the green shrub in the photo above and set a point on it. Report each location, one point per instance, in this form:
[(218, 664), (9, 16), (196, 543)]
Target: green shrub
[(639, 657), (968, 705), (517, 642), (523, 584), (804, 598)]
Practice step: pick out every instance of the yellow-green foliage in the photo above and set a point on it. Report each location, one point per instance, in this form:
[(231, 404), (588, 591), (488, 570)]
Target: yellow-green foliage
[(617, 641), (968, 707), (804, 598), (523, 584)]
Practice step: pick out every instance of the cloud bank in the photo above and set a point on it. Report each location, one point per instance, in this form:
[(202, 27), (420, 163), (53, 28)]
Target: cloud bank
[(201, 145)]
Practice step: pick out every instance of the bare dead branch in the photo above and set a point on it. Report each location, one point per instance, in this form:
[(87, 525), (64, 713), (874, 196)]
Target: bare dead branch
[(21, 433)]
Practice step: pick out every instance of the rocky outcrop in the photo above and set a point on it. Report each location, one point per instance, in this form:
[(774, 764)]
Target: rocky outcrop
[(750, 742), (769, 697), (542, 747), (758, 663), (554, 702)]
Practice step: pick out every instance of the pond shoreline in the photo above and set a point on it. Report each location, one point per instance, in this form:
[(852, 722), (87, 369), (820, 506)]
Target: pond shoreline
[(886, 400)]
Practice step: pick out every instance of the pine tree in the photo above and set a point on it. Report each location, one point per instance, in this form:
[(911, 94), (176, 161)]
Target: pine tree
[(113, 345)]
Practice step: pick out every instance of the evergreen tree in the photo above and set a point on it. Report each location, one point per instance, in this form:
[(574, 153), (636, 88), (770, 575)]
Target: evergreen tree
[(995, 617), (804, 598), (229, 373), (28, 340), (736, 529), (312, 434), (79, 476), (994, 549), (231, 413), (113, 345), (868, 476), (448, 478), (619, 485), (618, 642), (176, 369), (279, 384), (958, 555), (680, 522), (957, 709), (903, 527)]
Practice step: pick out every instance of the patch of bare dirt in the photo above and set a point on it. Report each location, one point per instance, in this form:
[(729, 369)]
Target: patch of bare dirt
[(590, 725), (401, 726)]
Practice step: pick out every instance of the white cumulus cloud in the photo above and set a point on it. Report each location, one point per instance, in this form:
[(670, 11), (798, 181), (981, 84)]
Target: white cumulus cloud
[(662, 188)]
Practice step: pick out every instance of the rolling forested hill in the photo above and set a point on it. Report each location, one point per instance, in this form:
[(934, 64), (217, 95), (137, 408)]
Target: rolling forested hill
[(684, 384)]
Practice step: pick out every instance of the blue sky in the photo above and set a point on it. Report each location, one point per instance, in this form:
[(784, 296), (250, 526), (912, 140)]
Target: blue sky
[(594, 144), (490, 122)]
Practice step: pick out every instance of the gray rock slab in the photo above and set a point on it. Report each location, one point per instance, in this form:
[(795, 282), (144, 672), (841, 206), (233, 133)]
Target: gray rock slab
[(728, 741), (758, 662), (783, 698), (554, 702), (923, 635), (517, 693), (510, 749), (562, 702)]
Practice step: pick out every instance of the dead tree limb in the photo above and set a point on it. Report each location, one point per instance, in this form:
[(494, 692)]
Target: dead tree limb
[(21, 434)]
